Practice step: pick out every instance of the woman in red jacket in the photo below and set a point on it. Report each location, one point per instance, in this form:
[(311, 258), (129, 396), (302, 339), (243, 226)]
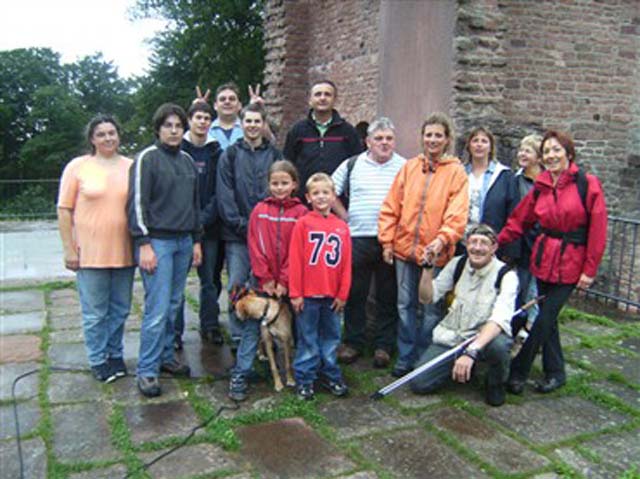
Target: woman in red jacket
[(570, 207)]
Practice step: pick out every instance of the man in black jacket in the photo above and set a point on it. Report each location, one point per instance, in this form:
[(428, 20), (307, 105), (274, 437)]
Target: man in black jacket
[(320, 142), (205, 152)]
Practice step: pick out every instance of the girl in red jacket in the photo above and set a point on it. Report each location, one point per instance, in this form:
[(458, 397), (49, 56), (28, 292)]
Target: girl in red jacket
[(570, 207), (269, 232)]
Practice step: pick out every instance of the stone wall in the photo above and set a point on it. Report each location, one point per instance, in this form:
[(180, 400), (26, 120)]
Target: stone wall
[(519, 66)]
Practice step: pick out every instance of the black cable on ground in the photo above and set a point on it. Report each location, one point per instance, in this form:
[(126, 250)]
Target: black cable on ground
[(73, 370)]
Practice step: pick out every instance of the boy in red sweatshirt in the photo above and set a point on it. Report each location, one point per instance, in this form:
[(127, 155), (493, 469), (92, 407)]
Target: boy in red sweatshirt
[(319, 283)]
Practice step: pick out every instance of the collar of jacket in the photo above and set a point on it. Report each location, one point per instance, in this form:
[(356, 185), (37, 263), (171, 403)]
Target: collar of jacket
[(336, 119), (287, 202), (568, 176), (172, 150), (246, 146)]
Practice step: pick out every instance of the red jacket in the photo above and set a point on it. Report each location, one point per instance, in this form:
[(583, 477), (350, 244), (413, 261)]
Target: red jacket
[(270, 226), (560, 209), (320, 258)]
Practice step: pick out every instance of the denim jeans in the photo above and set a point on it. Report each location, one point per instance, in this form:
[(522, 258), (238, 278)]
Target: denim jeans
[(209, 275), (105, 299), (528, 291), (367, 263), (239, 269), (416, 321), (163, 292), (496, 354), (318, 337), (248, 346)]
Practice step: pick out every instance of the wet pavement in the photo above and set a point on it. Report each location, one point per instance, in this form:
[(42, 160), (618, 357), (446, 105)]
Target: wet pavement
[(74, 427)]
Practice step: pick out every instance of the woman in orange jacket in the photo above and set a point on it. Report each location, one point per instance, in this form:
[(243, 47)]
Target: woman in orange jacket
[(422, 218)]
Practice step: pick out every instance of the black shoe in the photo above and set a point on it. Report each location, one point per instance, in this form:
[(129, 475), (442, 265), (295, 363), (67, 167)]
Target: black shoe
[(549, 385), (495, 394), (305, 392), (103, 373), (238, 387), (175, 368), (118, 368), (149, 386), (337, 388), (515, 386), (212, 336), (399, 371), (177, 343)]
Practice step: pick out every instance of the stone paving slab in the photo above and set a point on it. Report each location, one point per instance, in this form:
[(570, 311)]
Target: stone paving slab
[(361, 475), (405, 397), (358, 416), (19, 348), (116, 471), (125, 390), (189, 461), (625, 394), (28, 418), (611, 455), (591, 329), (414, 453), (493, 446), (87, 425), (606, 360), (204, 359), (26, 387), (68, 320), (632, 344), (34, 457), (260, 396), (31, 322), (290, 449), (21, 301), (73, 387), (62, 295), (554, 418), (66, 336), (154, 422), (69, 355)]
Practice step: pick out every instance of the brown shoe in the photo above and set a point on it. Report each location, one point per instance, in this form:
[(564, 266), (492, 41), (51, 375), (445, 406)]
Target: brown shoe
[(381, 359), (346, 354)]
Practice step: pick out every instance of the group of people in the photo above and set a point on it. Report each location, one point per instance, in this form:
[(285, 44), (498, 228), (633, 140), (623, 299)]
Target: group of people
[(330, 224)]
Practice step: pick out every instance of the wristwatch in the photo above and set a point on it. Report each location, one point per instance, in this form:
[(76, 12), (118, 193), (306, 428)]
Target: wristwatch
[(472, 352)]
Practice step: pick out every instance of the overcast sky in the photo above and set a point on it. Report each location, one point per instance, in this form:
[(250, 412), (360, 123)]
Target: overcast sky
[(75, 28)]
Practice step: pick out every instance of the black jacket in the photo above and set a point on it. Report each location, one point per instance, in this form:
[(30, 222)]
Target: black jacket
[(311, 153), (163, 197), (206, 159), (241, 183)]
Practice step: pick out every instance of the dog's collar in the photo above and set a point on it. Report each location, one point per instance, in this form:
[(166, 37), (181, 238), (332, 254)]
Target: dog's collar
[(263, 319)]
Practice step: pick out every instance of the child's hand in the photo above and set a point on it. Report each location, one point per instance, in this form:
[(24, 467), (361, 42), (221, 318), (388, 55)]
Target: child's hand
[(298, 304), (338, 305), (281, 290), (269, 287)]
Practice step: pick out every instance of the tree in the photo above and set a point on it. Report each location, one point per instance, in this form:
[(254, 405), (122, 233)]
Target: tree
[(207, 43)]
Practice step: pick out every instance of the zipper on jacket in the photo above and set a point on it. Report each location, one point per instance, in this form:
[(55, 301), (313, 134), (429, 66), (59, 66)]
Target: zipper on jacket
[(278, 240), (423, 201)]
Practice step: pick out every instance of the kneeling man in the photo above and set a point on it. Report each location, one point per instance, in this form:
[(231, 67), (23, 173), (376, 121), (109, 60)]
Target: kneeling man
[(485, 296)]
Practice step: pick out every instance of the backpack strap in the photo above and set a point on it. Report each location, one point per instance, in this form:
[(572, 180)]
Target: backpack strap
[(351, 162), (457, 272), (504, 269), (583, 188)]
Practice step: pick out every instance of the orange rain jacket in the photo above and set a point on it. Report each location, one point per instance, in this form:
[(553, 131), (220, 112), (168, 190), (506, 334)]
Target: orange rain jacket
[(422, 205)]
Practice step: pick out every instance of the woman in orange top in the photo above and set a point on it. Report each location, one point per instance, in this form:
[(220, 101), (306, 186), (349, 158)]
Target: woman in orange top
[(422, 218), (93, 226)]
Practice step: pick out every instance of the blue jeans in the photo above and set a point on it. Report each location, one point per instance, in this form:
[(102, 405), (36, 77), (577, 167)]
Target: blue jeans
[(239, 268), (318, 335), (105, 299), (163, 292), (528, 291), (416, 321), (496, 354), (209, 275), (248, 346)]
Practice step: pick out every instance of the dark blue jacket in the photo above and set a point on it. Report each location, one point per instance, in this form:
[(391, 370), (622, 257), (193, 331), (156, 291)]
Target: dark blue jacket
[(206, 158), (524, 245), (312, 153), (241, 183)]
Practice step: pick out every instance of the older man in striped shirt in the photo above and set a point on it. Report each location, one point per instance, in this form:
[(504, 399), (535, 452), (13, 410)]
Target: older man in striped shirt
[(366, 179)]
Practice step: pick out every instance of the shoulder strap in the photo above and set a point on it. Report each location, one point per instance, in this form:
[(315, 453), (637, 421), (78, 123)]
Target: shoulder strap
[(457, 272), (583, 187), (351, 162), (503, 270)]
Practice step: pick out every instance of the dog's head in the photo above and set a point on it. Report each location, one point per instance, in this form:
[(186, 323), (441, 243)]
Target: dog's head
[(237, 293)]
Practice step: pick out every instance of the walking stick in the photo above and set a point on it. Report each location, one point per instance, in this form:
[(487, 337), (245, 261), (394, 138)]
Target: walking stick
[(389, 388)]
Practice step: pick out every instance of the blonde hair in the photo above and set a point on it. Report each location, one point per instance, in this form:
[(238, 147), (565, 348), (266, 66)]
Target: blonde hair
[(319, 178), (439, 118), (533, 141)]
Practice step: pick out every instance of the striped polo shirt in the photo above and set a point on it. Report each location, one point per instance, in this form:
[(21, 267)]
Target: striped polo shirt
[(370, 183)]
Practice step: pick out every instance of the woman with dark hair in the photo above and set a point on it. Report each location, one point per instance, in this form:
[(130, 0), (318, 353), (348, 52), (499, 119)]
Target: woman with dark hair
[(93, 227), (570, 208), (163, 207), (492, 195), (423, 217)]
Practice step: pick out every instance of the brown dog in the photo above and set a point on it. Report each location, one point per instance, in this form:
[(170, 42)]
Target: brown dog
[(275, 322)]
